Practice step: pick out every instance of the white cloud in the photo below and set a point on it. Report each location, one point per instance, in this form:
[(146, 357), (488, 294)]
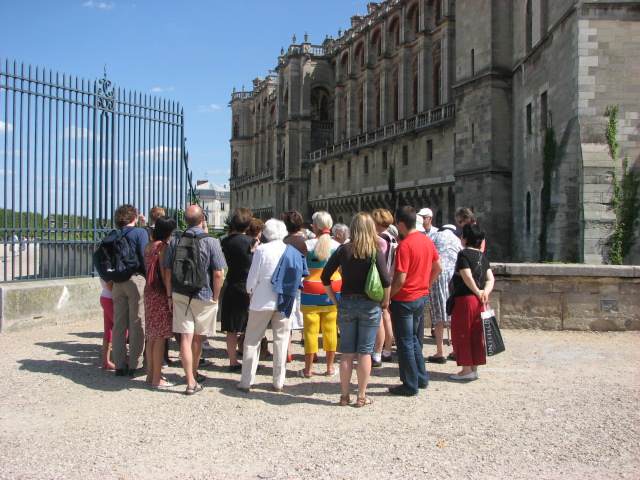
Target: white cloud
[(103, 5), (208, 108), (74, 132), (5, 127), (161, 89)]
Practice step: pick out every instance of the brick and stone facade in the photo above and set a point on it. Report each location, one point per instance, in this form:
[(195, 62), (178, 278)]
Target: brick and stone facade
[(445, 104)]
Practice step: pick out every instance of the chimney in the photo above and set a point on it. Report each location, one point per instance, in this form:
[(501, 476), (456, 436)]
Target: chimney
[(371, 7), (200, 182), (355, 20)]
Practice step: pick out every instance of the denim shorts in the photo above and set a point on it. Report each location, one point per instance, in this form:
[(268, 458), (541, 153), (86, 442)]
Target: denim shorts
[(358, 320)]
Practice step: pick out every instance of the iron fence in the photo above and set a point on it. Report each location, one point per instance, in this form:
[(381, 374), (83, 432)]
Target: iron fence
[(72, 150)]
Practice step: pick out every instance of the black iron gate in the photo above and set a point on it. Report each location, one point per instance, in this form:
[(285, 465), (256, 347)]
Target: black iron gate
[(72, 151)]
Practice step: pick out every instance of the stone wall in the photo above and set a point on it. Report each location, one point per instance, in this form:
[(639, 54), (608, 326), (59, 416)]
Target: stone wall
[(27, 305), (567, 297)]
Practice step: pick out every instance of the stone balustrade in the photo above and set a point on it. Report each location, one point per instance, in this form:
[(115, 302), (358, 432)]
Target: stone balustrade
[(430, 118), (256, 177)]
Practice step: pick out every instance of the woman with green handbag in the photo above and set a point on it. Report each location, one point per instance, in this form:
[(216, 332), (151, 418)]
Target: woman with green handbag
[(358, 312)]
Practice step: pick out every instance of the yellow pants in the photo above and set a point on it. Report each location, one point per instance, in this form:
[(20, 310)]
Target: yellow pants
[(314, 318)]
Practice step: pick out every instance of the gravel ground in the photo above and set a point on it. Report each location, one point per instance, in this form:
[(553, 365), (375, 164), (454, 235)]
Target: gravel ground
[(554, 405)]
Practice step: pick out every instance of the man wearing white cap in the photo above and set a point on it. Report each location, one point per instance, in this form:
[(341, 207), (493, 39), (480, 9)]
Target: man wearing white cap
[(427, 217)]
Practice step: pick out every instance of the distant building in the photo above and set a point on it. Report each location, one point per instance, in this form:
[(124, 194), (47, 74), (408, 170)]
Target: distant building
[(441, 104), (214, 200)]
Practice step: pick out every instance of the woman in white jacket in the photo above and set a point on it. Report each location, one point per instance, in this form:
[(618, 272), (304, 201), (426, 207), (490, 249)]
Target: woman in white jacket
[(264, 309)]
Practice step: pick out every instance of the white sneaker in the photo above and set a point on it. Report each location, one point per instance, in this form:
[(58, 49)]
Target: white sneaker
[(206, 345)]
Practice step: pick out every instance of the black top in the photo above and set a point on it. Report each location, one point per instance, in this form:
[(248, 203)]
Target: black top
[(237, 252), (478, 263), (354, 270)]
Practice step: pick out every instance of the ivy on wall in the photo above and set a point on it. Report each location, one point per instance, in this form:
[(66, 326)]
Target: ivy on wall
[(625, 201), (548, 163)]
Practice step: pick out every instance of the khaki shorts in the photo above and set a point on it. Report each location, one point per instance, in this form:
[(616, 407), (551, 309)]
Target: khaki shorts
[(199, 317)]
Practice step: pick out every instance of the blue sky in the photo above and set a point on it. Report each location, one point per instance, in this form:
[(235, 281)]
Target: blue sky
[(190, 51)]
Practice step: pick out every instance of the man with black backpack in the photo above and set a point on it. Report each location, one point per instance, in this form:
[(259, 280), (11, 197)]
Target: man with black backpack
[(128, 292), (193, 278)]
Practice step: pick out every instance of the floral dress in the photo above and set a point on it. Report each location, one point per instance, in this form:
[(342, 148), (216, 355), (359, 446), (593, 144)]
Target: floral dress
[(158, 317), (447, 245)]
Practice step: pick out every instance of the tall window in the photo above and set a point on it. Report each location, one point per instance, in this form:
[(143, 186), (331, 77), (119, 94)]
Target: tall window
[(544, 17), (473, 62), (543, 111), (529, 27), (528, 213), (333, 173), (528, 119), (429, 150), (385, 162), (319, 177), (405, 156), (349, 169), (366, 165)]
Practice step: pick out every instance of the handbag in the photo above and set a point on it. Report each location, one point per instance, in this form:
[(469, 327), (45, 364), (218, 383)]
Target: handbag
[(373, 286), (154, 279), (492, 337)]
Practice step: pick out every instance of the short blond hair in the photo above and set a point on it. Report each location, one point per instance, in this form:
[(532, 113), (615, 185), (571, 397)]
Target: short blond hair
[(382, 217)]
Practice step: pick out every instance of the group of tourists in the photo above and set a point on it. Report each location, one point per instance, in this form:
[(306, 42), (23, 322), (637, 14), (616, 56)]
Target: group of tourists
[(314, 279)]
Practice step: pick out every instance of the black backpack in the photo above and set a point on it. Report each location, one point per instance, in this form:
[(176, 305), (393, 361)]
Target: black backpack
[(188, 275), (114, 259)]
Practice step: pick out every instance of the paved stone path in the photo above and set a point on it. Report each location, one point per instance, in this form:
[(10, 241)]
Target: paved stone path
[(555, 405)]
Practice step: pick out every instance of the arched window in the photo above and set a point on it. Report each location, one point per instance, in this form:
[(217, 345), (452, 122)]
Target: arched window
[(376, 44), (359, 54), (395, 97), (394, 32), (413, 19), (378, 107), (344, 64), (437, 82)]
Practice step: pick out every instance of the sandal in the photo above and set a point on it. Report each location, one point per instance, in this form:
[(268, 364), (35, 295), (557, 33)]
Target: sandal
[(301, 374), (362, 401), (345, 400), (192, 390)]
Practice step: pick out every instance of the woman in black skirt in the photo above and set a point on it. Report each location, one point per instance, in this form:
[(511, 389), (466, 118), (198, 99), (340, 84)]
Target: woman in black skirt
[(237, 249)]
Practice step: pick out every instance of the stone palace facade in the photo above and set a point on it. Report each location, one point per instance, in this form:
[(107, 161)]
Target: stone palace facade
[(443, 103)]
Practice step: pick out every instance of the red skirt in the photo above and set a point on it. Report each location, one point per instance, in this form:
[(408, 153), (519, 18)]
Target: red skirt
[(466, 331)]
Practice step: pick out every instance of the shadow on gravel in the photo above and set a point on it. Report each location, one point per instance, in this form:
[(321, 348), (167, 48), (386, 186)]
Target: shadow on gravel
[(82, 367), (87, 334), (293, 393)]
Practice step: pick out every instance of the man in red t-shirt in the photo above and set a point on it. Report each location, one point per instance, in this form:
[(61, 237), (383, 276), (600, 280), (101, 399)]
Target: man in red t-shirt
[(417, 267)]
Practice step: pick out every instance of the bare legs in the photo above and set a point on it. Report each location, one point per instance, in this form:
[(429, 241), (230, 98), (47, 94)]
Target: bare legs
[(155, 355), (363, 372), (106, 355), (439, 329), (232, 348), (190, 351)]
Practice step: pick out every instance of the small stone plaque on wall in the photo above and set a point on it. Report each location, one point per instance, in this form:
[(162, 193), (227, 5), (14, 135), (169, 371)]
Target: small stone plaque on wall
[(608, 304)]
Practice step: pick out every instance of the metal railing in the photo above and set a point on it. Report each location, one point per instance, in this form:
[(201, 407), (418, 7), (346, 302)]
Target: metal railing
[(72, 151)]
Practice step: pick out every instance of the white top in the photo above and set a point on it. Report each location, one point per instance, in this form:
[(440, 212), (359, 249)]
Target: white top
[(311, 244), (105, 292), (265, 261)]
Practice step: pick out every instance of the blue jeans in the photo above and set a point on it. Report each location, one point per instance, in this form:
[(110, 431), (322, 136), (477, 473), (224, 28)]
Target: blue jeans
[(405, 318), (358, 319)]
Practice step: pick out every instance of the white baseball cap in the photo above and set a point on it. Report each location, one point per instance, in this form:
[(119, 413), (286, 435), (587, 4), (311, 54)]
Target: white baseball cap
[(425, 212)]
